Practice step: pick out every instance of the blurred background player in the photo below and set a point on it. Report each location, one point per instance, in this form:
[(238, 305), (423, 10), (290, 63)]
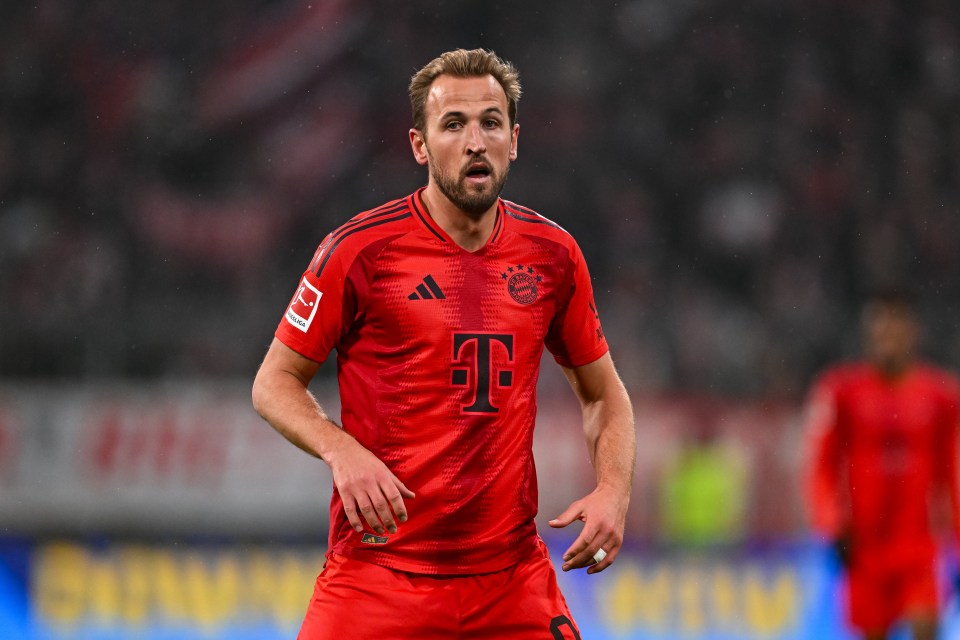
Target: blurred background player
[(883, 446), (439, 306)]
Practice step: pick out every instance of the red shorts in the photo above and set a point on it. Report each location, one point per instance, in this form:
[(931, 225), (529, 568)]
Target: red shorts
[(358, 600), (880, 596)]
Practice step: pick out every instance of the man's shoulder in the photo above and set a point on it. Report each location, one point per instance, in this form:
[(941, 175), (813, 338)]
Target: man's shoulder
[(364, 229), (939, 377), (526, 220), (385, 219)]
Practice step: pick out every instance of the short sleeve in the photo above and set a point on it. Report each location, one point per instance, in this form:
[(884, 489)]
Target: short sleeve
[(575, 336), (317, 315)]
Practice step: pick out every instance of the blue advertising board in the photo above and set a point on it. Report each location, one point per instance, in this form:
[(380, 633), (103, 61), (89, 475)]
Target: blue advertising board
[(69, 589)]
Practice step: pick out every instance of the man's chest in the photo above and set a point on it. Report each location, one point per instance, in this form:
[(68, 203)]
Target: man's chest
[(893, 418), (432, 294)]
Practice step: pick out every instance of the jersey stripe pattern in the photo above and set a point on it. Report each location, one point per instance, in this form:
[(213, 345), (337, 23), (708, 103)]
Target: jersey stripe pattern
[(438, 355)]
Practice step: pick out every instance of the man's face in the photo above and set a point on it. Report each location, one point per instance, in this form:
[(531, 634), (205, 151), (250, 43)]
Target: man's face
[(467, 141), (891, 334)]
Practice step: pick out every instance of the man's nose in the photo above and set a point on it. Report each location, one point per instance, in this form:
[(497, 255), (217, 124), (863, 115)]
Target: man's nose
[(475, 141)]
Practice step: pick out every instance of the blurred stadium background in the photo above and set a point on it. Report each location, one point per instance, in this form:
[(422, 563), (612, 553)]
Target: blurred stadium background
[(736, 173)]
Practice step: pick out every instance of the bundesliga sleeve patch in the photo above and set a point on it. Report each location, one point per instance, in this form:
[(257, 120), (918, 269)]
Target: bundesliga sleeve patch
[(303, 308)]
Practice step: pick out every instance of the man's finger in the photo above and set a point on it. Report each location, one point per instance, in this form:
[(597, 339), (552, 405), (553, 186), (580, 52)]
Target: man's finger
[(395, 494), (396, 504), (572, 514), (406, 493), (370, 515), (587, 558), (609, 556), (352, 516), (576, 549), (385, 514)]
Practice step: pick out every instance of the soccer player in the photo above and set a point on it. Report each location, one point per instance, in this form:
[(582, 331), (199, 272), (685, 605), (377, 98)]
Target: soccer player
[(883, 435), (439, 305)]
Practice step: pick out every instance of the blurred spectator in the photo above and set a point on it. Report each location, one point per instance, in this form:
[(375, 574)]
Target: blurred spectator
[(703, 493)]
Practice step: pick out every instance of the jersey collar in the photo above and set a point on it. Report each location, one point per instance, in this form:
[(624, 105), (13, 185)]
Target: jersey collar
[(416, 204)]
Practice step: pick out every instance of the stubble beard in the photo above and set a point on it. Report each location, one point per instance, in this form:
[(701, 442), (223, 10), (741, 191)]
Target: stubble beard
[(470, 200)]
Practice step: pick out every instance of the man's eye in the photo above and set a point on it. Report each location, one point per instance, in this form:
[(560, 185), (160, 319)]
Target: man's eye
[(491, 124), (454, 125)]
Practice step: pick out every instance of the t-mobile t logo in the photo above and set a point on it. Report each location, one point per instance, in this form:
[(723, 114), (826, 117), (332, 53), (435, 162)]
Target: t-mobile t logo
[(485, 367)]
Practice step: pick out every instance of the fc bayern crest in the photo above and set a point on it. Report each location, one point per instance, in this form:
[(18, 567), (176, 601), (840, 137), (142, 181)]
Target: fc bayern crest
[(523, 283)]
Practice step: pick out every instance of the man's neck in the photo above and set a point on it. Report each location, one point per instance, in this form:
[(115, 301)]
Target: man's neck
[(469, 231), (893, 369)]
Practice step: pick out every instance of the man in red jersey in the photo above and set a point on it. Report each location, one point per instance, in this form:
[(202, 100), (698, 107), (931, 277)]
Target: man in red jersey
[(883, 435), (439, 305)]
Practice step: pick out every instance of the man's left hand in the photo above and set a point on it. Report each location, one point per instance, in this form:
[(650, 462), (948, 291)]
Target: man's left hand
[(603, 514)]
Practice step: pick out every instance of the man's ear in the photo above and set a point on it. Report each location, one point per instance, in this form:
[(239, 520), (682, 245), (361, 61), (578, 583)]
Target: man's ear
[(418, 143)]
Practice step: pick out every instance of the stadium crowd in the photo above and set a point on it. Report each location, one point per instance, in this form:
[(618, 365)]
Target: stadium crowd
[(738, 174)]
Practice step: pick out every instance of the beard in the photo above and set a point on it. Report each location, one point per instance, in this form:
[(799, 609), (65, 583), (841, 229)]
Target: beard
[(471, 200)]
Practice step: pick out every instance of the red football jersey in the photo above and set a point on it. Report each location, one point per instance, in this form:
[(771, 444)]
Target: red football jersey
[(881, 449), (438, 354)]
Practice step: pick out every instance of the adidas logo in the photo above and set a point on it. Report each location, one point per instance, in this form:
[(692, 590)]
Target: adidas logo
[(427, 290)]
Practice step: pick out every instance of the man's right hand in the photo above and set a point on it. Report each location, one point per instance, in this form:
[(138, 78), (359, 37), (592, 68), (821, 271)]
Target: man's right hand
[(369, 490)]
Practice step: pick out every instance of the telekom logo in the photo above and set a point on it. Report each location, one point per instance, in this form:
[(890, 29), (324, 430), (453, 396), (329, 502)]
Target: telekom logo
[(484, 369)]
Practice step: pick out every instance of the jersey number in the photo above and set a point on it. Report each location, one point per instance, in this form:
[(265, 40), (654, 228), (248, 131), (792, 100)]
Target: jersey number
[(557, 625)]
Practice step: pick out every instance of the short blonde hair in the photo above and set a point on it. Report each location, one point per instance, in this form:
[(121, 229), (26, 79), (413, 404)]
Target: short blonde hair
[(464, 64)]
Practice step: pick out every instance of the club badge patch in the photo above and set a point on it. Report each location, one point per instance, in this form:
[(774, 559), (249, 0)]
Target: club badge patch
[(303, 307), (523, 283)]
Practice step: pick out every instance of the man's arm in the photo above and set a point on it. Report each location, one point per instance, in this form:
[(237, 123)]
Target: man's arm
[(366, 486), (823, 472), (947, 470), (828, 502), (611, 443)]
